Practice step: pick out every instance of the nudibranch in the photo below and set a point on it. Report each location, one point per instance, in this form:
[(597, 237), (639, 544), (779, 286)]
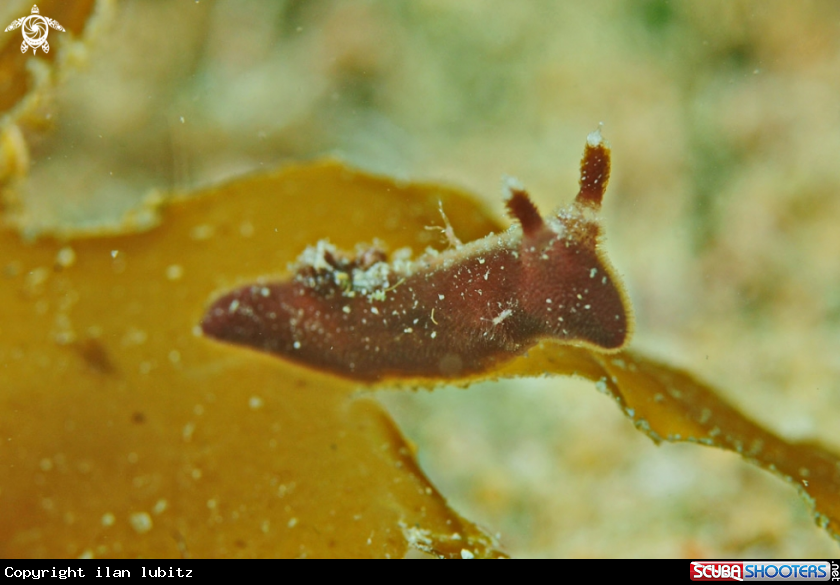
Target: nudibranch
[(444, 314)]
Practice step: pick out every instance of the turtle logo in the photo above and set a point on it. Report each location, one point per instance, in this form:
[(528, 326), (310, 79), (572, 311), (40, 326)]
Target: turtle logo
[(35, 31)]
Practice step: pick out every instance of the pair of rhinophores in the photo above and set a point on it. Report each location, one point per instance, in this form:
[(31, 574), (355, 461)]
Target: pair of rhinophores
[(444, 314)]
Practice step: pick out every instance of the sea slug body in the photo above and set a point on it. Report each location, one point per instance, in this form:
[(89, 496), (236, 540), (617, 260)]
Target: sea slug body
[(444, 314)]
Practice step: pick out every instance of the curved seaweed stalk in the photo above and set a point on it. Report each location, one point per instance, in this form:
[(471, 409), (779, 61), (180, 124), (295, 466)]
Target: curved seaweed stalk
[(670, 405)]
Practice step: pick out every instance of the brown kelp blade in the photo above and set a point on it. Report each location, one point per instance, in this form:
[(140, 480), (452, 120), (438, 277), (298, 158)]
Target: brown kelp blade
[(668, 404), (129, 436)]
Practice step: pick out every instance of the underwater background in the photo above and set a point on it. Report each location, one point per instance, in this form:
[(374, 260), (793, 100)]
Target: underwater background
[(721, 213)]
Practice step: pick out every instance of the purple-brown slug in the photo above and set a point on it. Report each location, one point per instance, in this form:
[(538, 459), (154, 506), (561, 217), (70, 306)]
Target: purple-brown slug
[(445, 314)]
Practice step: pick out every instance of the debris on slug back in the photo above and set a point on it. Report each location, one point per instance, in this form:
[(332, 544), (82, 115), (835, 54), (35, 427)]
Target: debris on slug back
[(444, 314)]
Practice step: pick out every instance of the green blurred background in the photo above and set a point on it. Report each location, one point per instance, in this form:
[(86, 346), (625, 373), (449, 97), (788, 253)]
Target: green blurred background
[(722, 213)]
